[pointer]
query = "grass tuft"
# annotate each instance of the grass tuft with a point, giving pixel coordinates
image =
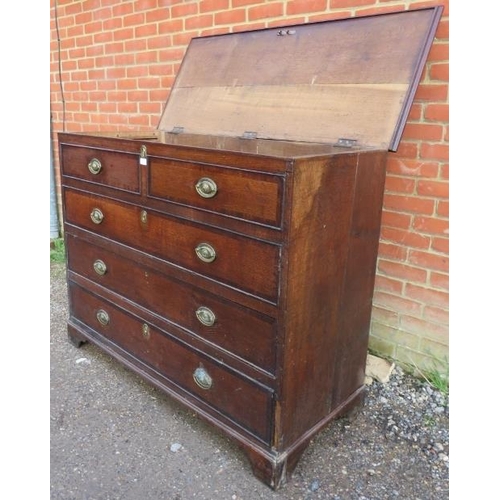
(57, 250)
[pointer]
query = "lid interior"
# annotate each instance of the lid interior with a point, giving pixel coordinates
(322, 82)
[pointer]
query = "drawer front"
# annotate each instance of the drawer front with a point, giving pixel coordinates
(255, 197)
(247, 404)
(110, 168)
(238, 261)
(239, 330)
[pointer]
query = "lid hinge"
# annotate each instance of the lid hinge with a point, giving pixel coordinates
(346, 143)
(249, 135)
(177, 130)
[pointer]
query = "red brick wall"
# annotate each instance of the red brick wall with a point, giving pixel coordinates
(114, 61)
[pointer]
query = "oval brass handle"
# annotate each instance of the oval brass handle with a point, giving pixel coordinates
(145, 331)
(100, 267)
(103, 317)
(95, 166)
(206, 187)
(205, 316)
(205, 252)
(96, 215)
(202, 378)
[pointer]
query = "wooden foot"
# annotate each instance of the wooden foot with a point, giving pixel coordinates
(75, 338)
(274, 471)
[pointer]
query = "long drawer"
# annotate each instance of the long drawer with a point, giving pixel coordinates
(248, 405)
(245, 333)
(253, 196)
(238, 261)
(110, 168)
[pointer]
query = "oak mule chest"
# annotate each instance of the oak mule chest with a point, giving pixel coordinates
(229, 256)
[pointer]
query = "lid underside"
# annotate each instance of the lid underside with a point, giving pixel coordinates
(353, 78)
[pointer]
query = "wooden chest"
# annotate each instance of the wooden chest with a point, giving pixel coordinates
(229, 256)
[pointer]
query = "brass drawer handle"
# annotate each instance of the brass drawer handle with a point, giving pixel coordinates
(144, 216)
(145, 331)
(205, 252)
(97, 216)
(95, 166)
(206, 187)
(205, 316)
(202, 378)
(100, 267)
(103, 317)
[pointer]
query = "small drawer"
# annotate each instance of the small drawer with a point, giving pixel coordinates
(246, 404)
(110, 168)
(256, 197)
(241, 262)
(239, 330)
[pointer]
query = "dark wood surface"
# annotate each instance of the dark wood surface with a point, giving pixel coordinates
(292, 310)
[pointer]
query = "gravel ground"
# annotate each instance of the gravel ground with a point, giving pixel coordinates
(115, 437)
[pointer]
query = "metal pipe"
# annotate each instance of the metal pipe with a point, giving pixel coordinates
(54, 216)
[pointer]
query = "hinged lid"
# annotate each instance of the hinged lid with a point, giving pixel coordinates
(325, 82)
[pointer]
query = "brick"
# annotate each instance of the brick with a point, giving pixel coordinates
(437, 189)
(385, 317)
(440, 51)
(343, 4)
(126, 84)
(123, 34)
(400, 185)
(443, 30)
(147, 57)
(214, 31)
(113, 48)
(391, 251)
(388, 285)
(135, 71)
(443, 208)
(423, 328)
(197, 22)
(405, 238)
(437, 112)
(423, 131)
(387, 332)
(413, 168)
(136, 45)
(126, 59)
(112, 24)
(439, 353)
(169, 27)
(437, 315)
(264, 11)
(115, 73)
(230, 17)
(241, 3)
(382, 346)
(289, 21)
(127, 107)
(133, 20)
(137, 95)
(396, 303)
(432, 92)
(440, 72)
(427, 296)
(148, 83)
(402, 271)
(157, 15)
(431, 225)
(379, 10)
(183, 10)
(408, 204)
(212, 5)
(444, 172)
(295, 7)
(433, 151)
(440, 280)
(428, 260)
(122, 9)
(150, 108)
(395, 219)
(406, 150)
(146, 31)
(441, 245)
